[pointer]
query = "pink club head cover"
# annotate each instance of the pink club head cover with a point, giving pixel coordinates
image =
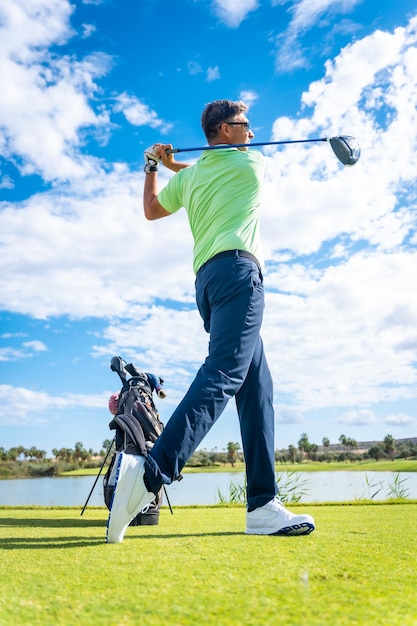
(113, 400)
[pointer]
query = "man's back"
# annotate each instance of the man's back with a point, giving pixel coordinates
(222, 195)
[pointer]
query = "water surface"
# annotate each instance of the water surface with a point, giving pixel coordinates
(203, 488)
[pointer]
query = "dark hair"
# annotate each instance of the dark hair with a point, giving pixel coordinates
(217, 112)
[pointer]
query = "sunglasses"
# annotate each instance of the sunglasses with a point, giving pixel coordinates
(245, 125)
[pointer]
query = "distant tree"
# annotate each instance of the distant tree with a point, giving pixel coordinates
(326, 442)
(403, 450)
(79, 451)
(376, 452)
(303, 444)
(33, 452)
(351, 443)
(106, 445)
(389, 446)
(64, 454)
(40, 455)
(343, 441)
(232, 452)
(14, 453)
(292, 453)
(312, 453)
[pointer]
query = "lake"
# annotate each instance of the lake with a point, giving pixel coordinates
(202, 488)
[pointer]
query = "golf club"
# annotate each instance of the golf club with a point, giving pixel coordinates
(345, 147)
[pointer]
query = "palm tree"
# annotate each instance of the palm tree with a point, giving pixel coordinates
(326, 442)
(389, 445)
(292, 453)
(343, 440)
(351, 443)
(40, 454)
(232, 450)
(106, 445)
(78, 451)
(303, 444)
(33, 452)
(312, 453)
(14, 453)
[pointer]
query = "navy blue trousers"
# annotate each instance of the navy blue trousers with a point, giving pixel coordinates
(230, 299)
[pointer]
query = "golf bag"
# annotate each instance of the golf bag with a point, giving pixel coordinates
(137, 426)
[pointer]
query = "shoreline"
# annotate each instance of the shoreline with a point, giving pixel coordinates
(395, 466)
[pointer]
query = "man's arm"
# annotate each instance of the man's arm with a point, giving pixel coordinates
(152, 208)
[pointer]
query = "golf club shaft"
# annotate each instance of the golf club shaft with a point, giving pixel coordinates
(244, 145)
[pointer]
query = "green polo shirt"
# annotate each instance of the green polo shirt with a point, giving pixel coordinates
(221, 193)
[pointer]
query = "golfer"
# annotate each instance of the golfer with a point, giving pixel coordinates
(221, 193)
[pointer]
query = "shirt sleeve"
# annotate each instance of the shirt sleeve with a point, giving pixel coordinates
(169, 197)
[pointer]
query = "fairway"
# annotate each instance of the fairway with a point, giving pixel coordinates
(398, 465)
(198, 567)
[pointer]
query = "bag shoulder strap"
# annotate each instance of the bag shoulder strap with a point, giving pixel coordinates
(130, 426)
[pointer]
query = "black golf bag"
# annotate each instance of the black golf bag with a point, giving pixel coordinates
(137, 426)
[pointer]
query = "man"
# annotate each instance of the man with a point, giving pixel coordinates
(221, 193)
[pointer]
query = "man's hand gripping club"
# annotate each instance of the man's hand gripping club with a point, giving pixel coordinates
(151, 159)
(158, 154)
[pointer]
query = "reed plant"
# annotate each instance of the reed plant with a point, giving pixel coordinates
(395, 490)
(291, 487)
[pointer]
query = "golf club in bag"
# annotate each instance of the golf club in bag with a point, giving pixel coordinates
(345, 147)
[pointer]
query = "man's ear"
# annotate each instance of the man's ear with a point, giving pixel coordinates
(225, 130)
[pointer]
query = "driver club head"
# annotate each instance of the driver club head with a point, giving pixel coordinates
(346, 148)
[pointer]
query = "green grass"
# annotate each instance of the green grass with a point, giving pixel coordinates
(398, 465)
(197, 567)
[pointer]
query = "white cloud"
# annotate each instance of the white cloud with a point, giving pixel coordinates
(6, 182)
(138, 113)
(305, 15)
(25, 406)
(213, 73)
(88, 30)
(400, 420)
(288, 415)
(194, 68)
(233, 12)
(27, 27)
(374, 201)
(46, 137)
(36, 346)
(362, 417)
(28, 349)
(72, 251)
(306, 12)
(333, 335)
(248, 96)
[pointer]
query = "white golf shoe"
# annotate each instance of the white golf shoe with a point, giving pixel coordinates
(130, 495)
(274, 519)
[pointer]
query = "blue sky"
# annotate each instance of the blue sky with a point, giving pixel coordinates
(85, 87)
